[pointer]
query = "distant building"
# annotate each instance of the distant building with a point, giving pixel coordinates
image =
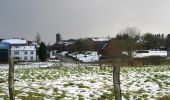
(24, 53)
(97, 43)
(63, 45)
(58, 38)
(22, 50)
(53, 54)
(4, 52)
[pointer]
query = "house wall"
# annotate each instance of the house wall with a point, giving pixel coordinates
(53, 54)
(4, 55)
(168, 53)
(4, 52)
(23, 56)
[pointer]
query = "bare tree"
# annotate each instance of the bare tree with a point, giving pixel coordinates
(132, 32)
(38, 38)
(129, 38)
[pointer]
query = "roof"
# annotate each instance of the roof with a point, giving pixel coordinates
(65, 42)
(15, 41)
(24, 48)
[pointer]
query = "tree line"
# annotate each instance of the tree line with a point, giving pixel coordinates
(130, 39)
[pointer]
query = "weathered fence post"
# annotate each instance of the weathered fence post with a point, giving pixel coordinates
(116, 79)
(11, 79)
(100, 64)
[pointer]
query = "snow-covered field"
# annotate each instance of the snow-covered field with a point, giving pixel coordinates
(69, 83)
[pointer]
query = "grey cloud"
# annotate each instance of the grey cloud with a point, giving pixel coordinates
(81, 18)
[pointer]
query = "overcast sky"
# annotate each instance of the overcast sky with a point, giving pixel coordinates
(81, 18)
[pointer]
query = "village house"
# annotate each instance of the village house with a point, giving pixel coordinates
(97, 43)
(24, 53)
(60, 45)
(22, 50)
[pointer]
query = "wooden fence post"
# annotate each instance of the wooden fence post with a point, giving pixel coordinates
(116, 79)
(11, 79)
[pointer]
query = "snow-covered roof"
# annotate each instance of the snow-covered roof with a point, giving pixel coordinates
(100, 39)
(15, 41)
(24, 48)
(66, 43)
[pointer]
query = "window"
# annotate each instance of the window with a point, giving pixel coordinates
(25, 58)
(32, 52)
(31, 58)
(16, 58)
(16, 52)
(25, 52)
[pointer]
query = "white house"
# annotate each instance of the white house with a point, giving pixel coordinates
(22, 50)
(24, 53)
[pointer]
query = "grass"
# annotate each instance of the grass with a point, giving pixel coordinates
(84, 79)
(82, 86)
(126, 96)
(166, 97)
(108, 96)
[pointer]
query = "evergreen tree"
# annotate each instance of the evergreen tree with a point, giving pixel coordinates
(150, 41)
(167, 42)
(42, 52)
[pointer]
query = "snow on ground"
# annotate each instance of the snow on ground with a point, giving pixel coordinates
(29, 65)
(145, 83)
